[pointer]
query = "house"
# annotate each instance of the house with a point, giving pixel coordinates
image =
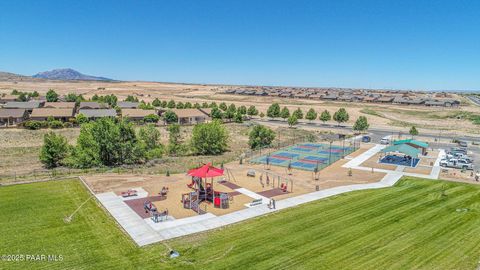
(434, 103)
(12, 117)
(7, 98)
(89, 105)
(385, 99)
(136, 114)
(59, 105)
(330, 97)
(301, 95)
(98, 113)
(61, 114)
(191, 116)
(127, 105)
(207, 111)
(451, 103)
(28, 105)
(346, 98)
(369, 99)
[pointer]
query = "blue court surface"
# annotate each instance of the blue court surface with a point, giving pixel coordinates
(302, 165)
(400, 161)
(305, 156)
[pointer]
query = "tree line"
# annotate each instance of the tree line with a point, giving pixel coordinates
(114, 142)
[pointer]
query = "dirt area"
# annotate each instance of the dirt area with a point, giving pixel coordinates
(419, 169)
(458, 176)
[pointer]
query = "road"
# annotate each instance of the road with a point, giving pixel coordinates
(376, 132)
(474, 99)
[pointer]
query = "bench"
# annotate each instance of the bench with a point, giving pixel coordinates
(256, 202)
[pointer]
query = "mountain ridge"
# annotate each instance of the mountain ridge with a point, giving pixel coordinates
(68, 74)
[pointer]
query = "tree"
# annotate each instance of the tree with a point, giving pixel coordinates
(311, 115)
(285, 113)
(174, 139)
(150, 136)
(188, 105)
(298, 113)
(260, 136)
(238, 117)
(156, 102)
(197, 105)
(170, 117)
(151, 118)
(209, 138)
(361, 124)
(292, 120)
(273, 111)
(22, 97)
(107, 142)
(171, 104)
(262, 115)
(180, 105)
(413, 131)
(231, 111)
(164, 104)
(133, 99)
(216, 113)
(341, 116)
(54, 150)
(145, 106)
(242, 110)
(223, 106)
(212, 105)
(325, 116)
(52, 96)
(34, 94)
(252, 110)
(81, 118)
(205, 105)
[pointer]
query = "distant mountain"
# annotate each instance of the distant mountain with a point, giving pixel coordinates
(68, 74)
(7, 76)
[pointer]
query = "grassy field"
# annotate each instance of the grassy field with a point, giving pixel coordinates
(418, 224)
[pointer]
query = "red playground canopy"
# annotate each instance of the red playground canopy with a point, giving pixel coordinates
(205, 171)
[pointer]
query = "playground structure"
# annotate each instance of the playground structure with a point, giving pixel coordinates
(305, 156)
(203, 189)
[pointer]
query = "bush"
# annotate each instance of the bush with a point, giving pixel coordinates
(54, 124)
(32, 124)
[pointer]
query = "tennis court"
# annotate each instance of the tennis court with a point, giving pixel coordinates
(305, 156)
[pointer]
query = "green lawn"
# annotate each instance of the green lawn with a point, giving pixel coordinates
(418, 224)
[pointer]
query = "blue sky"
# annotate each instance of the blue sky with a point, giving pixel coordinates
(371, 44)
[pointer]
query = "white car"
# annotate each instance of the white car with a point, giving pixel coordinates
(385, 141)
(456, 163)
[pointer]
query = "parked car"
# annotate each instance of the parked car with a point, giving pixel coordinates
(366, 139)
(462, 143)
(458, 149)
(456, 163)
(385, 140)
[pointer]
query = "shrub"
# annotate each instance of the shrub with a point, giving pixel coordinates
(32, 124)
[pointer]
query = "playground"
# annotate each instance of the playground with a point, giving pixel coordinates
(219, 191)
(306, 156)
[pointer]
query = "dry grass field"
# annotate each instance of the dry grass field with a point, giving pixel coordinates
(396, 117)
(20, 149)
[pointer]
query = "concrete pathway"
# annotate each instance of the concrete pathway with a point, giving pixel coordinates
(132, 223)
(252, 195)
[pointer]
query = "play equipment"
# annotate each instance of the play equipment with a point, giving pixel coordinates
(159, 216)
(149, 207)
(203, 189)
(163, 192)
(221, 200)
(129, 193)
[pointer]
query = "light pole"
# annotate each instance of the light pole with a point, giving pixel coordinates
(330, 154)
